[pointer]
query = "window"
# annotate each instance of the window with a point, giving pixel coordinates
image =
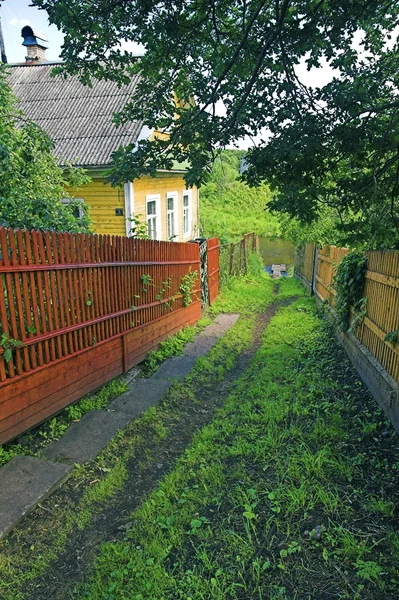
(153, 217)
(186, 213)
(171, 214)
(77, 212)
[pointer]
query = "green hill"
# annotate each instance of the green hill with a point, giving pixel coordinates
(229, 208)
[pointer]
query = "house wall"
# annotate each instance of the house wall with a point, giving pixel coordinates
(162, 184)
(103, 200)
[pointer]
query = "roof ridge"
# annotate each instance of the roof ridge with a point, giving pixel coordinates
(42, 63)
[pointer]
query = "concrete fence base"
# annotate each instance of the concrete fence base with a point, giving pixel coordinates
(381, 385)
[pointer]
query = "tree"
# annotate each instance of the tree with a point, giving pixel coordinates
(232, 64)
(31, 181)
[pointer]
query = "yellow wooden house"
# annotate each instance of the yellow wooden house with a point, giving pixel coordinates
(79, 119)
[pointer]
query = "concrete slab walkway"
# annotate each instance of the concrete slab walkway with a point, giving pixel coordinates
(25, 481)
(84, 440)
(144, 394)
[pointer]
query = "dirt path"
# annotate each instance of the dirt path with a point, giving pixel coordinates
(145, 470)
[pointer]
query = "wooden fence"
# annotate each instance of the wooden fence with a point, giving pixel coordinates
(78, 310)
(304, 263)
(213, 268)
(381, 291)
(234, 256)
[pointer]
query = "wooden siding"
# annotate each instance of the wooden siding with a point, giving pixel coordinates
(77, 312)
(103, 199)
(162, 184)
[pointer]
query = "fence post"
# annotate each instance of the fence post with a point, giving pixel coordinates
(315, 265)
(244, 257)
(231, 258)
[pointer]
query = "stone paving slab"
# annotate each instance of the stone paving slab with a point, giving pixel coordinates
(177, 367)
(200, 346)
(220, 325)
(24, 482)
(84, 440)
(144, 394)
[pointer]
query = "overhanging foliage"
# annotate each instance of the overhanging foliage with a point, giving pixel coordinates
(31, 181)
(334, 146)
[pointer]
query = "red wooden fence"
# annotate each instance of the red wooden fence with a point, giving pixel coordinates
(78, 310)
(213, 268)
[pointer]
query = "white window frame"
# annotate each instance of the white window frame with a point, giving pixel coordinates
(158, 221)
(188, 193)
(174, 196)
(129, 206)
(66, 201)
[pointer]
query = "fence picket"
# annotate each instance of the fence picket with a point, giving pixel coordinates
(381, 290)
(62, 294)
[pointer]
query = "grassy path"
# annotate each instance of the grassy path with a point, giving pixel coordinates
(289, 493)
(267, 475)
(52, 548)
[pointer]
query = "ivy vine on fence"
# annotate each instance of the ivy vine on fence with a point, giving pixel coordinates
(349, 283)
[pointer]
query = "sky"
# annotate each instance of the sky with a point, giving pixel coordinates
(15, 14)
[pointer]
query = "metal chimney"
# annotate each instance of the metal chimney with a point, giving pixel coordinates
(36, 44)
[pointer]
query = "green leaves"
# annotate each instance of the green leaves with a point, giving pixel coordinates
(31, 181)
(349, 284)
(8, 344)
(229, 69)
(187, 286)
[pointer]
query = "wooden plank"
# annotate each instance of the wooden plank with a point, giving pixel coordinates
(51, 277)
(33, 420)
(73, 392)
(326, 286)
(384, 279)
(70, 369)
(16, 362)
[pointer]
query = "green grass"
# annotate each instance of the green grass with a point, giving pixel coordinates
(276, 498)
(289, 493)
(248, 295)
(28, 552)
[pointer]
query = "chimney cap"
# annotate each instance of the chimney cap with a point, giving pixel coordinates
(33, 38)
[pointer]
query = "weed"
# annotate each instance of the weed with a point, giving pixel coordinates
(170, 347)
(187, 285)
(287, 493)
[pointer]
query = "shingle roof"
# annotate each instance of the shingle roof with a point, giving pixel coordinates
(77, 118)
